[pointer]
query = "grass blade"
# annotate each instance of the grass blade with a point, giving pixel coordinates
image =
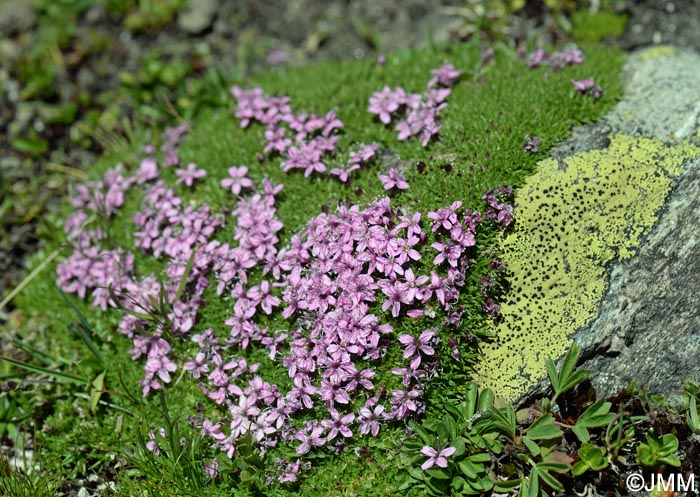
(82, 328)
(66, 377)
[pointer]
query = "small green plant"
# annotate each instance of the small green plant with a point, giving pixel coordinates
(618, 434)
(597, 415)
(692, 417)
(17, 484)
(566, 378)
(590, 457)
(657, 451)
(456, 448)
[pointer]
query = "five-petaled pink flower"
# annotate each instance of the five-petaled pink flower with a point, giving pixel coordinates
(190, 175)
(237, 180)
(394, 179)
(436, 457)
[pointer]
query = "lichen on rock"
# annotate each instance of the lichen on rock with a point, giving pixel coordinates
(574, 217)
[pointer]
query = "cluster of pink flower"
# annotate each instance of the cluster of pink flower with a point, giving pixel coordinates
(332, 276)
(498, 209)
(421, 111)
(570, 56)
(342, 284)
(314, 143)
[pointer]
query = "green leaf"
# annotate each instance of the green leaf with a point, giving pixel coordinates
(503, 419)
(185, 275)
(458, 444)
(416, 473)
(671, 460)
(532, 446)
(486, 399)
(544, 429)
(581, 433)
(577, 378)
(506, 485)
(550, 480)
(669, 444)
(471, 396)
(480, 457)
(97, 391)
(427, 438)
(592, 457)
(458, 484)
(65, 377)
(579, 468)
(82, 329)
(691, 416)
(552, 373)
(566, 379)
(32, 144)
(553, 466)
(438, 473)
(468, 468)
(597, 415)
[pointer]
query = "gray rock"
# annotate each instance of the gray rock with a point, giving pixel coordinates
(648, 326)
(16, 16)
(197, 16)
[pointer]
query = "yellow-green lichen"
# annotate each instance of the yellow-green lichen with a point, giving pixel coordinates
(658, 52)
(573, 218)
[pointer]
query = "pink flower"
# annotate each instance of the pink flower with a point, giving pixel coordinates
(531, 144)
(445, 75)
(384, 102)
(582, 85)
(436, 457)
(237, 180)
(337, 425)
(190, 175)
(394, 179)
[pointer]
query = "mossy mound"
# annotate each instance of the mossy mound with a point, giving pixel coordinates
(495, 105)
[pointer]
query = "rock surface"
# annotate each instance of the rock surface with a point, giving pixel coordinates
(16, 16)
(197, 16)
(647, 329)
